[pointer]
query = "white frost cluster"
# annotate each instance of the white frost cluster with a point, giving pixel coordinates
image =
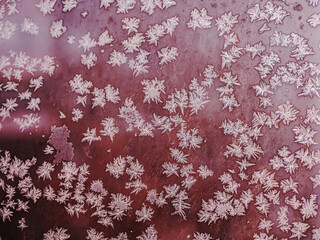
(57, 28)
(199, 19)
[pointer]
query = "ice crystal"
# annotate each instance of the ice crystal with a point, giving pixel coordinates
(79, 85)
(117, 168)
(86, 42)
(7, 29)
(29, 27)
(314, 20)
(175, 138)
(90, 136)
(106, 3)
(226, 22)
(57, 28)
(313, 2)
(201, 236)
(44, 171)
(119, 205)
(133, 43)
(68, 5)
(131, 24)
(167, 55)
(123, 6)
(309, 207)
(89, 60)
(180, 205)
(46, 6)
(109, 128)
(152, 90)
(298, 230)
(56, 234)
(199, 19)
(105, 38)
(117, 58)
(145, 214)
(287, 112)
(149, 234)
(189, 138)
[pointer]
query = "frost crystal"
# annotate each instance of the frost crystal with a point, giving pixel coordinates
(109, 128)
(117, 168)
(133, 43)
(45, 170)
(287, 112)
(86, 42)
(117, 58)
(145, 214)
(314, 20)
(56, 234)
(58, 139)
(167, 55)
(125, 5)
(57, 28)
(152, 90)
(29, 27)
(201, 236)
(226, 22)
(89, 60)
(149, 234)
(119, 205)
(46, 6)
(7, 29)
(131, 24)
(90, 136)
(216, 130)
(199, 19)
(68, 5)
(105, 38)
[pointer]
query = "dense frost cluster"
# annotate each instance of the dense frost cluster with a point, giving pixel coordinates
(159, 119)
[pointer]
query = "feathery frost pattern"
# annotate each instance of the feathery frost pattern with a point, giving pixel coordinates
(159, 119)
